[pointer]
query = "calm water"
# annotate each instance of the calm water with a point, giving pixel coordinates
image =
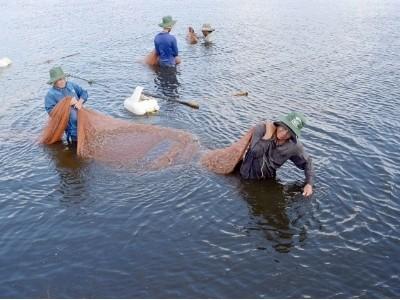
(72, 228)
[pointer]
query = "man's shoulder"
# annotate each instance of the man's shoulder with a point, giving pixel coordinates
(160, 35)
(51, 92)
(72, 85)
(297, 146)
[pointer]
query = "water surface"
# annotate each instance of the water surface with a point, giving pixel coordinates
(73, 228)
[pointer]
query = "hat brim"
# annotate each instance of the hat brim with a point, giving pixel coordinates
(292, 132)
(208, 29)
(167, 25)
(52, 81)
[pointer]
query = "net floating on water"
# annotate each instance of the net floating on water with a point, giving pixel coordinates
(225, 160)
(122, 143)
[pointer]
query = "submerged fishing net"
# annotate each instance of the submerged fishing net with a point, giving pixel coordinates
(120, 142)
(224, 161)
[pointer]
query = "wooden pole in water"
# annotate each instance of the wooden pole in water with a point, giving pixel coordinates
(191, 104)
(51, 60)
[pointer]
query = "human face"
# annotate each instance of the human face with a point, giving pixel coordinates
(283, 133)
(60, 83)
(205, 33)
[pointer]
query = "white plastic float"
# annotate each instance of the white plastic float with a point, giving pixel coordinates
(5, 62)
(140, 104)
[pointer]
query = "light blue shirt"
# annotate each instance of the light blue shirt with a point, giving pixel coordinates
(55, 95)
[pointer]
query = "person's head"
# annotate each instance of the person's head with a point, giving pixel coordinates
(57, 77)
(191, 30)
(167, 23)
(207, 29)
(289, 126)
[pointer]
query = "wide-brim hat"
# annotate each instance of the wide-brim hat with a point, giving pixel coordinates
(56, 73)
(295, 121)
(207, 27)
(167, 22)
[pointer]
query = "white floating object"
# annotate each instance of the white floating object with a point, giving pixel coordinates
(5, 62)
(140, 104)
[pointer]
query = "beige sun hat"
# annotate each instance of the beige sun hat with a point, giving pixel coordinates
(207, 27)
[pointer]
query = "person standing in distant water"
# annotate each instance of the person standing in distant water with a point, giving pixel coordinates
(208, 36)
(165, 44)
(60, 89)
(192, 36)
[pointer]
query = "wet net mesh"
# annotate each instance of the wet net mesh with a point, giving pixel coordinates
(224, 161)
(121, 142)
(151, 59)
(57, 123)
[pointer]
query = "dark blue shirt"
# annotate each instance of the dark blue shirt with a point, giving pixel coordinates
(166, 48)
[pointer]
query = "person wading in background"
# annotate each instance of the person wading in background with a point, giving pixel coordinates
(166, 47)
(208, 36)
(60, 89)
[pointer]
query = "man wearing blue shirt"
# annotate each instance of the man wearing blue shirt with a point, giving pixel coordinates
(166, 45)
(60, 89)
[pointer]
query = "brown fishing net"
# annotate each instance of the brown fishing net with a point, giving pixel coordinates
(224, 161)
(151, 59)
(120, 142)
(57, 123)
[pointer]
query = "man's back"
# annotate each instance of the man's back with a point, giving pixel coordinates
(166, 48)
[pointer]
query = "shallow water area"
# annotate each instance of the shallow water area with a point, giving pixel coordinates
(74, 228)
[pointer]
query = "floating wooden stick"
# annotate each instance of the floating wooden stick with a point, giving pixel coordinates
(191, 104)
(51, 60)
(241, 93)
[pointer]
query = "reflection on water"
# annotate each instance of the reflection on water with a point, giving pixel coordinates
(166, 81)
(71, 171)
(275, 212)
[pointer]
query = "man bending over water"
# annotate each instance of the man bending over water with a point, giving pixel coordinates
(272, 144)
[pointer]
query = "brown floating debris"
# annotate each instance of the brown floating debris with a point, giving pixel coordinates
(241, 93)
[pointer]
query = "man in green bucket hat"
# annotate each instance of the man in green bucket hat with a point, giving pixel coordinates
(272, 144)
(166, 46)
(60, 89)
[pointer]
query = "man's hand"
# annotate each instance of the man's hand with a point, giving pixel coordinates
(73, 101)
(79, 104)
(307, 190)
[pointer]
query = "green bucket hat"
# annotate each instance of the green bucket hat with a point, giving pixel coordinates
(294, 120)
(167, 22)
(56, 73)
